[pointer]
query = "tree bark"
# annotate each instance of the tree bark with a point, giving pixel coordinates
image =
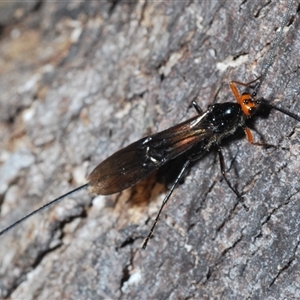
(81, 80)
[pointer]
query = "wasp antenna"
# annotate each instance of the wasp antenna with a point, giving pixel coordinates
(275, 46)
(283, 110)
(42, 208)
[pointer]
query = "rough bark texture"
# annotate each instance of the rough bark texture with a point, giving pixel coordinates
(80, 80)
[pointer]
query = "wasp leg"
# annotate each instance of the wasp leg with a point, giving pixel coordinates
(197, 107)
(223, 171)
(246, 84)
(236, 93)
(165, 202)
(249, 137)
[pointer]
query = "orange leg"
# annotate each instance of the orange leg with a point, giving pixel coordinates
(243, 83)
(249, 137)
(234, 89)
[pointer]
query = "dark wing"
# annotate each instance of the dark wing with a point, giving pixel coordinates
(135, 162)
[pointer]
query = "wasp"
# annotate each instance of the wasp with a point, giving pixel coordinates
(195, 137)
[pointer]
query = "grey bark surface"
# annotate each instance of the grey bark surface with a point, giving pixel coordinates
(80, 80)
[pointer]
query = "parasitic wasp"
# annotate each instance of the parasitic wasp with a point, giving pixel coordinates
(196, 136)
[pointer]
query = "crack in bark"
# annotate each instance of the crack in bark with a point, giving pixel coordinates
(40, 256)
(221, 258)
(229, 217)
(256, 15)
(286, 265)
